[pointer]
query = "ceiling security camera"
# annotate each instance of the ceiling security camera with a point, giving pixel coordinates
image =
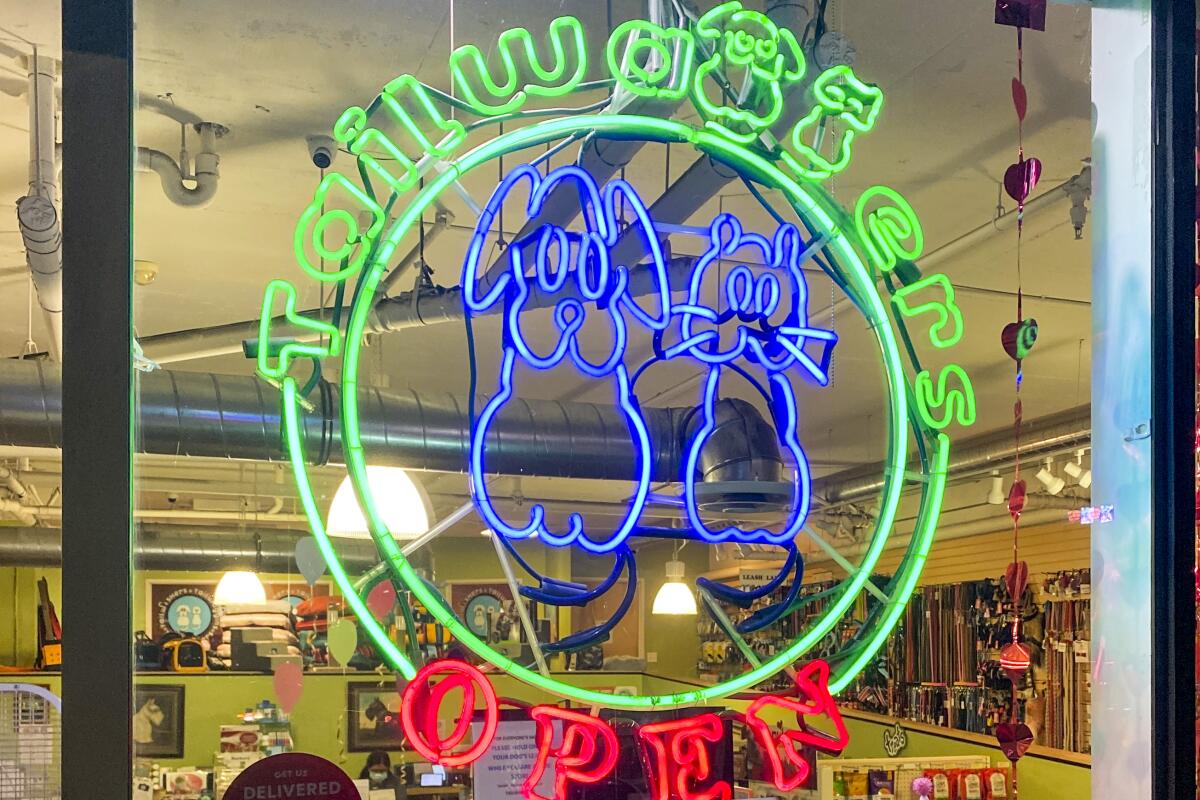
(321, 149)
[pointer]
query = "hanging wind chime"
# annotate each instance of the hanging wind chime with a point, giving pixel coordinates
(1017, 338)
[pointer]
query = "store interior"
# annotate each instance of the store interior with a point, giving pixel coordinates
(222, 540)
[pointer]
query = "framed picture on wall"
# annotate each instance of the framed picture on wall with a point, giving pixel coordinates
(158, 720)
(372, 718)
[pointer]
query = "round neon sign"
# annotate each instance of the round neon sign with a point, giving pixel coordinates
(768, 308)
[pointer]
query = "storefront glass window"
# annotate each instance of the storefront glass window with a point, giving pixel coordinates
(715, 373)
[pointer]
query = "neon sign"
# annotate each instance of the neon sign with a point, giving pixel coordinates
(421, 704)
(789, 767)
(587, 753)
(757, 330)
(677, 760)
(580, 749)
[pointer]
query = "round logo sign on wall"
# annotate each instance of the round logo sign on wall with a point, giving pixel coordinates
(186, 612)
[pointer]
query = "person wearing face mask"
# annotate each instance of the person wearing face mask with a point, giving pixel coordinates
(378, 771)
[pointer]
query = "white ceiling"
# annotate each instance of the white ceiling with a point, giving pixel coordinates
(275, 72)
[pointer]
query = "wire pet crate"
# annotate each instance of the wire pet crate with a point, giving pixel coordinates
(30, 743)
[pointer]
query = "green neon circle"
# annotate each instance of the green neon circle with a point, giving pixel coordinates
(747, 163)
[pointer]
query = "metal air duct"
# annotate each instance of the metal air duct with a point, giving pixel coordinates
(232, 416)
(198, 549)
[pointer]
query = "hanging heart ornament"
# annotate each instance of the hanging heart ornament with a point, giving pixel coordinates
(1018, 338)
(1014, 660)
(1014, 738)
(1016, 499)
(1021, 177)
(1020, 100)
(1015, 578)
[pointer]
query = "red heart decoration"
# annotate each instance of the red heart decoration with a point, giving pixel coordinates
(1021, 177)
(1016, 499)
(1014, 660)
(1020, 101)
(1015, 578)
(1014, 739)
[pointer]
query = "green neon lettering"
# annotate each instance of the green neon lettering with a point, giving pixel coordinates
(552, 80)
(959, 403)
(639, 42)
(312, 230)
(841, 96)
(891, 232)
(948, 329)
(403, 92)
(290, 350)
(770, 56)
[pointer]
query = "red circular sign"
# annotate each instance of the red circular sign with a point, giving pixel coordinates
(292, 776)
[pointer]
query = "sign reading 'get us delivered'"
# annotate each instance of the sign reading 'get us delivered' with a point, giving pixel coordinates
(291, 776)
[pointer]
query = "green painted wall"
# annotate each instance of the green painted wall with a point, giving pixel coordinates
(18, 611)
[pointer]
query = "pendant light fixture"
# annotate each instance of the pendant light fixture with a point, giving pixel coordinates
(400, 502)
(674, 597)
(242, 586)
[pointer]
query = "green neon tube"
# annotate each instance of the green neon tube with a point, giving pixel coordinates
(295, 444)
(914, 564)
(654, 130)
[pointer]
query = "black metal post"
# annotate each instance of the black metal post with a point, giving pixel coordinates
(1173, 82)
(97, 678)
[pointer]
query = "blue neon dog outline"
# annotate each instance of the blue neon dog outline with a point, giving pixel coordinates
(586, 256)
(600, 284)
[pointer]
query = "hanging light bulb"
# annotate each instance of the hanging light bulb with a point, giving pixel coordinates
(399, 501)
(1075, 469)
(1046, 477)
(239, 587)
(674, 596)
(242, 586)
(995, 495)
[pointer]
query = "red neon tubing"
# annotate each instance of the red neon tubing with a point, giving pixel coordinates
(420, 704)
(682, 743)
(582, 734)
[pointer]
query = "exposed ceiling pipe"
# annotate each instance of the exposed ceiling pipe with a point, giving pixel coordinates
(12, 483)
(194, 549)
(37, 212)
(184, 515)
(236, 416)
(21, 512)
(1070, 428)
(204, 172)
(389, 314)
(1070, 190)
(442, 220)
